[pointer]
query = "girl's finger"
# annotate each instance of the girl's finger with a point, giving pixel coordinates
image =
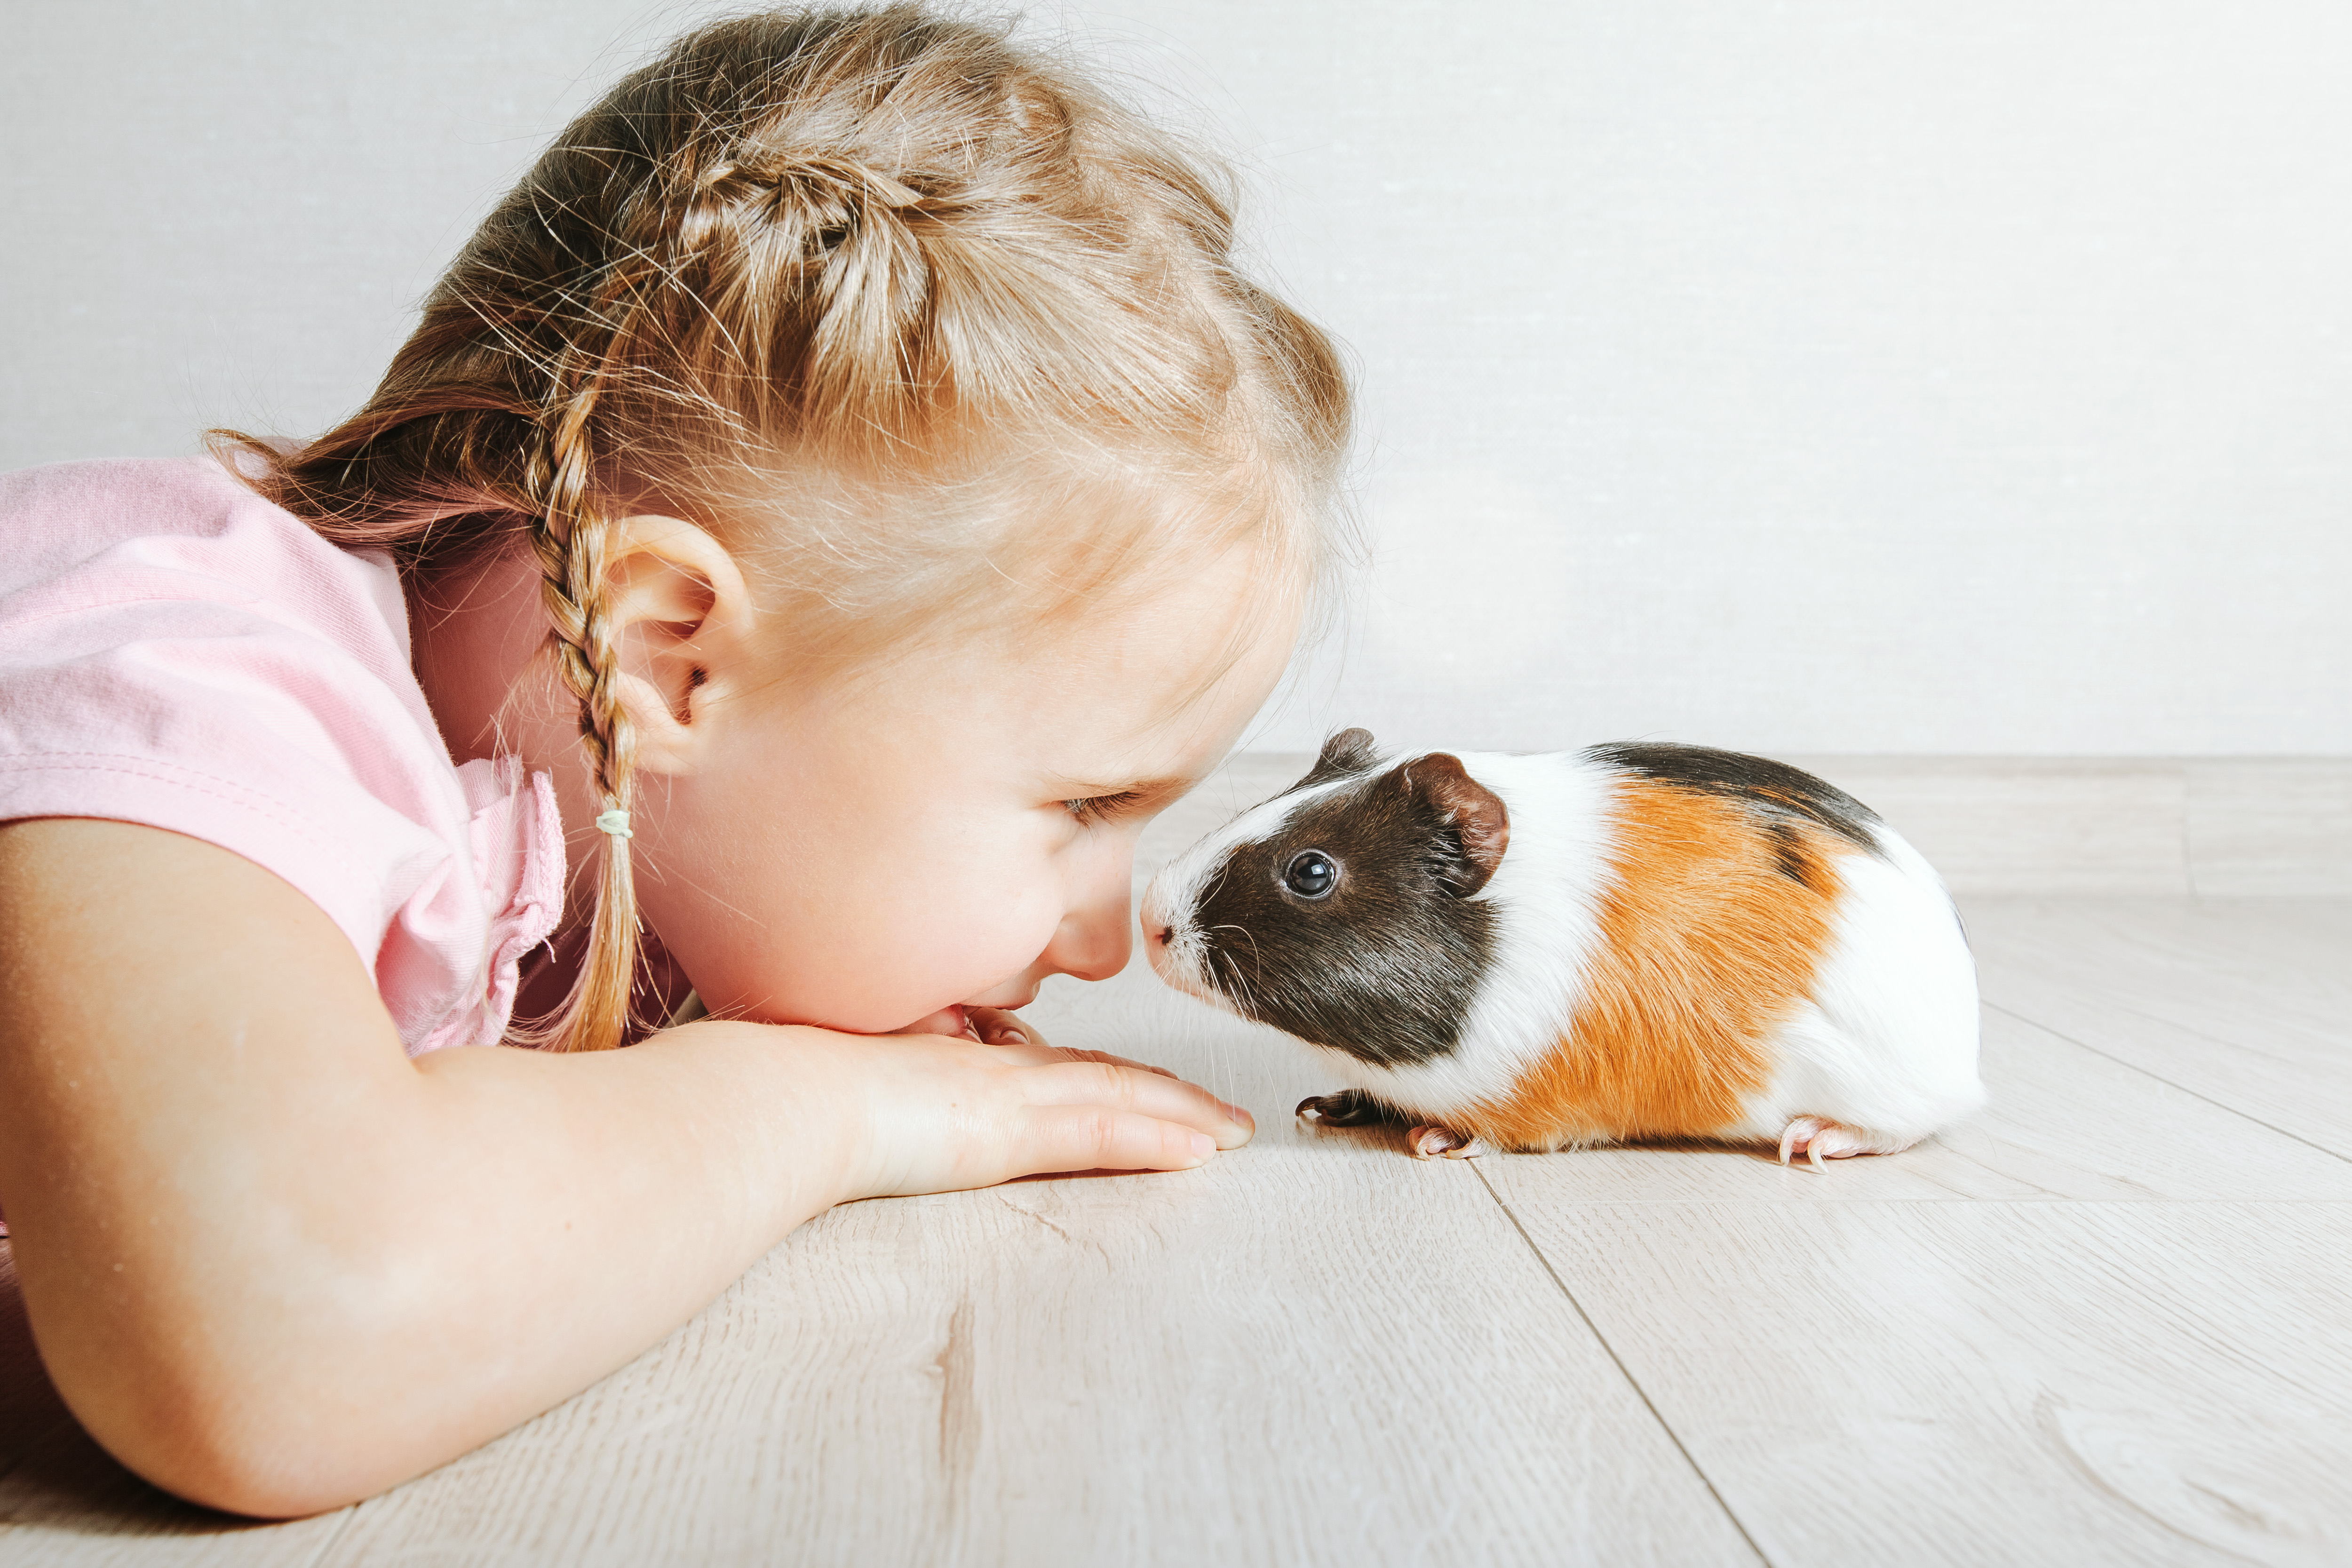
(1046, 1056)
(1099, 1138)
(1001, 1026)
(1154, 1095)
(1109, 1061)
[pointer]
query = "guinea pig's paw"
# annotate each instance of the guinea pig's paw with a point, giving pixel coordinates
(1349, 1108)
(1430, 1143)
(1817, 1138)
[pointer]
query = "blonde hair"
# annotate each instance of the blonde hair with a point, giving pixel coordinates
(845, 255)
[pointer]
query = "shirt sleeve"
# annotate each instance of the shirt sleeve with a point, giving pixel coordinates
(177, 653)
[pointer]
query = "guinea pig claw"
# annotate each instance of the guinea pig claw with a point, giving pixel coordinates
(1349, 1108)
(1429, 1143)
(1805, 1136)
(1819, 1139)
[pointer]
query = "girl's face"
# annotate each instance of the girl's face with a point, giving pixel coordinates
(954, 828)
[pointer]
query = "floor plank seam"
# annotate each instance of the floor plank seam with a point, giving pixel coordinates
(1623, 1371)
(2146, 1072)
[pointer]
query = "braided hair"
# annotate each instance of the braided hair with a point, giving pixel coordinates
(876, 243)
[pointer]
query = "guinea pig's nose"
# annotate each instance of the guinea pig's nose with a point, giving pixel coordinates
(1159, 935)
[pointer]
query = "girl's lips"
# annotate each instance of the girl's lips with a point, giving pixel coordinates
(957, 1020)
(946, 1021)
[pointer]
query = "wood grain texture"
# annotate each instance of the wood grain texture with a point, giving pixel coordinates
(1304, 1353)
(2109, 1374)
(1990, 1383)
(2063, 1122)
(2247, 1003)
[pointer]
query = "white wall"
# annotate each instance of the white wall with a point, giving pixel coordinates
(1814, 377)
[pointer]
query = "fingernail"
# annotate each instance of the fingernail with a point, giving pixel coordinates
(1203, 1146)
(1241, 1117)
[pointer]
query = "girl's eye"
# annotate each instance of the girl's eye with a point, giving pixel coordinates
(1311, 874)
(1101, 808)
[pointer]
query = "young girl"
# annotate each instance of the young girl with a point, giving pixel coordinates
(831, 504)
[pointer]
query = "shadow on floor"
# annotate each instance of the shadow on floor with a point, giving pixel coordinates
(1390, 1137)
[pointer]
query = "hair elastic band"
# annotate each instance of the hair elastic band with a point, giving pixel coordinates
(616, 823)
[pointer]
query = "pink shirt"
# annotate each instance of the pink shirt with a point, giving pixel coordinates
(177, 652)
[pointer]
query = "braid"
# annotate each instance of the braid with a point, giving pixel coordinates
(570, 533)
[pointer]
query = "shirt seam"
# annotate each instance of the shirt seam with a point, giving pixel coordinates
(181, 776)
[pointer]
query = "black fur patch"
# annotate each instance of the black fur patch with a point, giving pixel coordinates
(1384, 966)
(1346, 752)
(1774, 789)
(1789, 854)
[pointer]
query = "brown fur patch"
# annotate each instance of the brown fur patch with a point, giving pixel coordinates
(1710, 933)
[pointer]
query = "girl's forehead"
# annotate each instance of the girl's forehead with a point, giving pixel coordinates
(1154, 690)
(1170, 691)
(1183, 633)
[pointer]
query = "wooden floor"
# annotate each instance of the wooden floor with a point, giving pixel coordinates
(2109, 1320)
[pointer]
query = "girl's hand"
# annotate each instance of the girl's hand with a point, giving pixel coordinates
(945, 1113)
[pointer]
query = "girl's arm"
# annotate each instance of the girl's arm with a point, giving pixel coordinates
(274, 1265)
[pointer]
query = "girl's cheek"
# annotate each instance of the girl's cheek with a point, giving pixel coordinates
(866, 938)
(885, 953)
(970, 937)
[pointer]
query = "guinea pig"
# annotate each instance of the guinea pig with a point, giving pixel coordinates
(1555, 951)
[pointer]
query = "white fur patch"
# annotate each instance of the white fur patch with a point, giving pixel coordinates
(1888, 1041)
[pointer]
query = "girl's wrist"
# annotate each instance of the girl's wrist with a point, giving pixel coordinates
(800, 1154)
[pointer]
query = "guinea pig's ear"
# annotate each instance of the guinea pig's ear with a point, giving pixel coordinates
(1349, 752)
(1471, 811)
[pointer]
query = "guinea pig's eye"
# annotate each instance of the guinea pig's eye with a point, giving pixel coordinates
(1311, 874)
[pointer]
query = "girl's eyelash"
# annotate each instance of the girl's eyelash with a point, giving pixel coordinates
(1101, 807)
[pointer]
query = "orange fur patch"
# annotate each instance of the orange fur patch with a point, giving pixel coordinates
(1707, 946)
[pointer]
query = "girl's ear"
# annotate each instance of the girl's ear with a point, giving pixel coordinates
(682, 623)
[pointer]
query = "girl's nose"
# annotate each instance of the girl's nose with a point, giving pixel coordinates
(1092, 944)
(1095, 937)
